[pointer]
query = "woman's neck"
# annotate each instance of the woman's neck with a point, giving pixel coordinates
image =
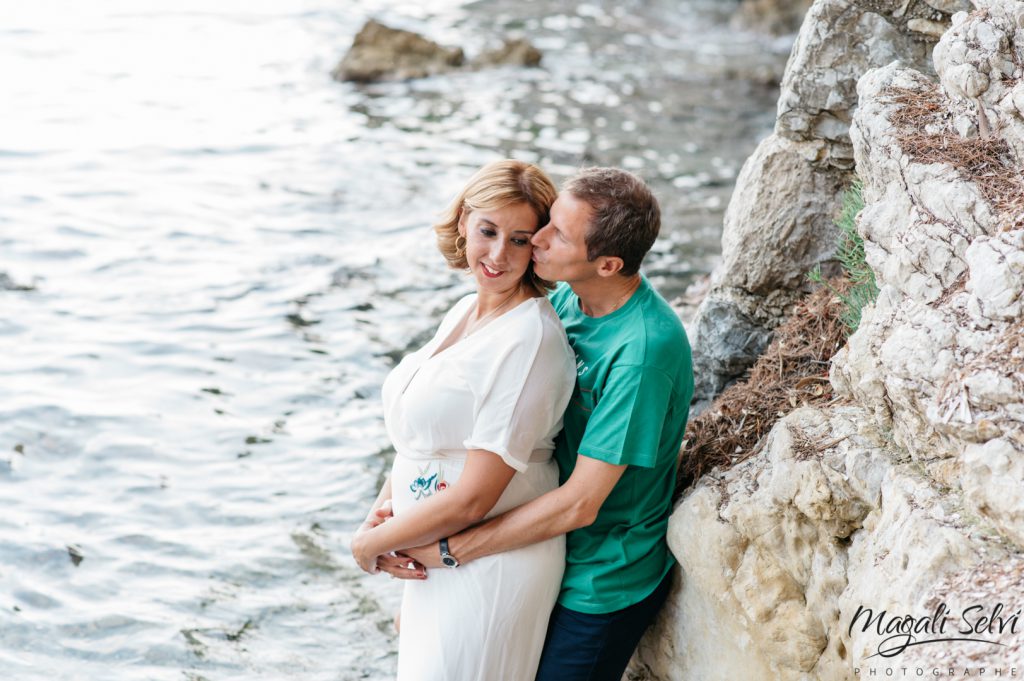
(489, 302)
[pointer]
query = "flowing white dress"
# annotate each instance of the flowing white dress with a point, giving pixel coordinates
(502, 389)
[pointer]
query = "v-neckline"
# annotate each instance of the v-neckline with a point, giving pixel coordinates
(438, 353)
(441, 347)
(462, 322)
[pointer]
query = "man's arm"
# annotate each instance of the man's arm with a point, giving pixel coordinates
(573, 505)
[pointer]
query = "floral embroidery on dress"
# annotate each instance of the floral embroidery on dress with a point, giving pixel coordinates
(424, 486)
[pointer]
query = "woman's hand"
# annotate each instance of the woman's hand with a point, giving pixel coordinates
(362, 548)
(401, 567)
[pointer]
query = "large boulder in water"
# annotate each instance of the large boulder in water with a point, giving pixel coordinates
(380, 52)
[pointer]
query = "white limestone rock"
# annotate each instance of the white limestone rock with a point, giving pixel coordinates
(996, 282)
(777, 553)
(838, 43)
(994, 484)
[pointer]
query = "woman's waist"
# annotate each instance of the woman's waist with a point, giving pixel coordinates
(459, 455)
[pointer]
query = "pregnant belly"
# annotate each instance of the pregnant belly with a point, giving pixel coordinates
(414, 480)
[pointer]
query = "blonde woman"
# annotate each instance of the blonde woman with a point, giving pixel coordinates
(473, 415)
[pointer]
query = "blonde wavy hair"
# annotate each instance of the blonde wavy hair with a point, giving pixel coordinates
(496, 185)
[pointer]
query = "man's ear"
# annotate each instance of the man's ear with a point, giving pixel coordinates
(608, 265)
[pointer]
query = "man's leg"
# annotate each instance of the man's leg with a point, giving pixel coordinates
(583, 647)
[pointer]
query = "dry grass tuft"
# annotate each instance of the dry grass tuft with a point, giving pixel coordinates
(792, 372)
(925, 133)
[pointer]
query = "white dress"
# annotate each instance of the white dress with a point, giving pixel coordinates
(502, 389)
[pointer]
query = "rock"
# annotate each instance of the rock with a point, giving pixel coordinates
(910, 491)
(979, 63)
(938, 359)
(732, 328)
(996, 282)
(786, 207)
(965, 126)
(932, 29)
(950, 6)
(383, 53)
(965, 80)
(923, 21)
(779, 222)
(838, 43)
(516, 52)
(777, 553)
(994, 484)
(777, 17)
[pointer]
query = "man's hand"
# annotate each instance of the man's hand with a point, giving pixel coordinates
(428, 556)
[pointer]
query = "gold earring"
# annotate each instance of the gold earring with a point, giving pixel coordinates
(460, 250)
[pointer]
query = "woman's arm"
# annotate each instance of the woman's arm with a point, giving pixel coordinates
(373, 518)
(484, 477)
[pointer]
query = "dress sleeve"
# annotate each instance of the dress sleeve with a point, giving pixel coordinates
(520, 394)
(627, 422)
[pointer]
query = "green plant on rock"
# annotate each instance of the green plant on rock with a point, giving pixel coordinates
(862, 288)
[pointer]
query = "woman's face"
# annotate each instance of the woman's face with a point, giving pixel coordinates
(498, 245)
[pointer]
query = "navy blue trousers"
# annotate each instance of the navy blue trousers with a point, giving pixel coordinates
(583, 647)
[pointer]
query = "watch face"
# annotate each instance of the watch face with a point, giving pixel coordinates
(449, 561)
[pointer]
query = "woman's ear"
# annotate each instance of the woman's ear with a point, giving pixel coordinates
(463, 215)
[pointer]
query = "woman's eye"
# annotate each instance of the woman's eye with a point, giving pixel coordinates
(520, 242)
(487, 232)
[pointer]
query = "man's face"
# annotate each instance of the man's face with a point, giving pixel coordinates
(559, 248)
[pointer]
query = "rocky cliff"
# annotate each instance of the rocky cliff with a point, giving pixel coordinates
(906, 493)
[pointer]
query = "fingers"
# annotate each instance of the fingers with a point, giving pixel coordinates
(385, 511)
(401, 567)
(379, 515)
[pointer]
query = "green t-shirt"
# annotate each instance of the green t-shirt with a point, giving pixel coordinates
(629, 406)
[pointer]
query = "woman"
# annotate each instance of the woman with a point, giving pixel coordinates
(473, 415)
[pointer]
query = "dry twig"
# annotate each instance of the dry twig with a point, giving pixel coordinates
(792, 372)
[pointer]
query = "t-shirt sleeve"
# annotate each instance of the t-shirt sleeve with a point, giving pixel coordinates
(626, 423)
(520, 399)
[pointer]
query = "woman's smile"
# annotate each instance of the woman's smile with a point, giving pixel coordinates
(491, 272)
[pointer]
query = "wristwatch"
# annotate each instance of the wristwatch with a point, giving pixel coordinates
(448, 559)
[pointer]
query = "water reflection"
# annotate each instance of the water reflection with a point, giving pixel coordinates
(210, 256)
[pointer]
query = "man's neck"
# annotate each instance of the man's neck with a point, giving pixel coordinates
(601, 296)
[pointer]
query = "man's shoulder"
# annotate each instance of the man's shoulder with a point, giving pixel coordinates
(659, 339)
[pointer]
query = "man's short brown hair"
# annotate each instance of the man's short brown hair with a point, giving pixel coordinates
(625, 218)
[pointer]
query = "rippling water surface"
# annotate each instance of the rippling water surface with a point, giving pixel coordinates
(210, 256)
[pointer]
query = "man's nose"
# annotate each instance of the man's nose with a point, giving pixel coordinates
(539, 237)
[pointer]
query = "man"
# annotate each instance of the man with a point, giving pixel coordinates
(623, 429)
